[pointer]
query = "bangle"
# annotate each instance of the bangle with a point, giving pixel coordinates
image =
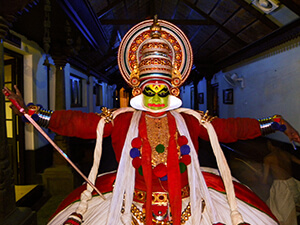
(271, 124)
(44, 117)
(40, 115)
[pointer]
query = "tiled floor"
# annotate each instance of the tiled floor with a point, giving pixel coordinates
(46, 211)
(44, 207)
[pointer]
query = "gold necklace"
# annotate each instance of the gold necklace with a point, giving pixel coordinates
(158, 134)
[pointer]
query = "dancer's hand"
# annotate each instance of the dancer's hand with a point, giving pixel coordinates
(17, 96)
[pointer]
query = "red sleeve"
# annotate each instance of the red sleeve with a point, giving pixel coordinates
(77, 124)
(228, 130)
(233, 129)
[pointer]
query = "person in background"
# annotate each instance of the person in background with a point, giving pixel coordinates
(159, 179)
(285, 190)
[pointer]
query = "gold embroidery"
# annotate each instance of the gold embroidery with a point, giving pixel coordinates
(159, 198)
(139, 215)
(106, 114)
(158, 133)
(206, 117)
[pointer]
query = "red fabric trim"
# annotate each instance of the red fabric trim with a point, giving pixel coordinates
(71, 221)
(147, 168)
(243, 193)
(174, 184)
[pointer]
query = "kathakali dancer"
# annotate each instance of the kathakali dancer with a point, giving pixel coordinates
(159, 179)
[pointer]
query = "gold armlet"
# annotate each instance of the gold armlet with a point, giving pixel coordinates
(205, 117)
(106, 114)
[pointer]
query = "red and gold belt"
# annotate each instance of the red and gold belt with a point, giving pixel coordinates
(158, 197)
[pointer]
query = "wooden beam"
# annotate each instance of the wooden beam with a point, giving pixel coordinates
(83, 16)
(274, 39)
(259, 16)
(292, 6)
(136, 21)
(219, 26)
(107, 9)
(110, 53)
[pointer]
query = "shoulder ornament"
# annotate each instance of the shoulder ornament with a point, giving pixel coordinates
(106, 114)
(205, 117)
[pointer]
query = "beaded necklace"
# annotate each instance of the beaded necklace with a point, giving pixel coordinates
(160, 151)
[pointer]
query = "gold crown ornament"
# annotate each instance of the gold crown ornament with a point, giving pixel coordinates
(155, 51)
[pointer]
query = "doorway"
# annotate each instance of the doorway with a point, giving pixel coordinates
(214, 107)
(13, 74)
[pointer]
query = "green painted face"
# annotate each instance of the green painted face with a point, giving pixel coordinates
(156, 97)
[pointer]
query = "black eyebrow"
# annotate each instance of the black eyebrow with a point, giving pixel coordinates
(164, 89)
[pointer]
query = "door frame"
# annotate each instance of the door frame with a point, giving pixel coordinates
(17, 155)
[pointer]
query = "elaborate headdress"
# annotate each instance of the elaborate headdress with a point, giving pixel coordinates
(155, 51)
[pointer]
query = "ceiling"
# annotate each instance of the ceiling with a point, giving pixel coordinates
(221, 32)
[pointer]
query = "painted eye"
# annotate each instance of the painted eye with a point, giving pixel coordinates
(164, 92)
(148, 92)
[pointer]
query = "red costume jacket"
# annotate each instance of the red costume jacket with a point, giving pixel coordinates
(84, 125)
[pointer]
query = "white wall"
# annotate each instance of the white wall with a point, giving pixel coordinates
(202, 89)
(35, 80)
(107, 93)
(35, 87)
(85, 87)
(185, 95)
(272, 86)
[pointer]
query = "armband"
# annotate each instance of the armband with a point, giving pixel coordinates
(40, 115)
(271, 124)
(106, 114)
(205, 117)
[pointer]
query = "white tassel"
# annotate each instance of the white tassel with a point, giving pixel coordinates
(225, 172)
(196, 180)
(224, 169)
(236, 217)
(125, 180)
(87, 194)
(84, 198)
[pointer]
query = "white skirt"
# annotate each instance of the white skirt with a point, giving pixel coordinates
(98, 210)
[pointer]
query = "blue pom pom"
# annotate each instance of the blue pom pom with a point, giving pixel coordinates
(164, 178)
(35, 117)
(185, 150)
(24, 119)
(282, 128)
(39, 105)
(29, 104)
(134, 152)
(275, 125)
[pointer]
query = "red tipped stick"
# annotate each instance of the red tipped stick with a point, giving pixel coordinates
(64, 155)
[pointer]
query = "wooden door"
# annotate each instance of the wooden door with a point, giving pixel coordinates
(13, 74)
